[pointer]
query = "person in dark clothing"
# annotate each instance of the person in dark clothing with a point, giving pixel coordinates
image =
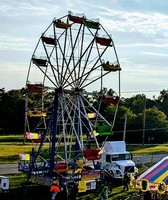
(73, 166)
(126, 181)
(97, 166)
(64, 190)
(74, 192)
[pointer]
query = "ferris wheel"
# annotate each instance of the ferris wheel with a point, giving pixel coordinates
(72, 55)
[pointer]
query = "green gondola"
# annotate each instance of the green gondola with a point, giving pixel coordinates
(92, 24)
(104, 130)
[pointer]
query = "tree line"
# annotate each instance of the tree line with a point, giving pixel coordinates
(137, 119)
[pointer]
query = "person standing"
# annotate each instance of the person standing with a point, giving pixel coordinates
(64, 190)
(104, 193)
(54, 189)
(56, 181)
(75, 191)
(73, 166)
(97, 166)
(126, 181)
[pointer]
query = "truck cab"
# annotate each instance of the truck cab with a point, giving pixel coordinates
(116, 160)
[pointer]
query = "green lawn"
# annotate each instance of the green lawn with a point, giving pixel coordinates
(147, 149)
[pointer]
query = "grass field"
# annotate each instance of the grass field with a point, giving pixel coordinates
(147, 149)
(12, 145)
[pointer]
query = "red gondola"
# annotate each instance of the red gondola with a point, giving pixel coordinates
(104, 41)
(91, 154)
(49, 40)
(110, 99)
(35, 87)
(39, 62)
(61, 167)
(76, 19)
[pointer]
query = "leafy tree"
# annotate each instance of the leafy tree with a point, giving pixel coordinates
(162, 102)
(136, 103)
(156, 126)
(12, 111)
(130, 111)
(117, 116)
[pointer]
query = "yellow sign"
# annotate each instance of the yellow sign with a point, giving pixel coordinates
(82, 186)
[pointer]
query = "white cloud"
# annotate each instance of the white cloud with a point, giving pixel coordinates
(148, 23)
(156, 54)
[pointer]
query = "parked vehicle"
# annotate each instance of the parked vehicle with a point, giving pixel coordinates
(116, 160)
(4, 184)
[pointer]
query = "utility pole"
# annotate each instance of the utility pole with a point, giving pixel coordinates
(144, 121)
(125, 127)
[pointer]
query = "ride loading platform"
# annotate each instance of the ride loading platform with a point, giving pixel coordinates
(86, 175)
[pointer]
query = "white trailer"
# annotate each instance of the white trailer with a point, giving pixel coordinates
(4, 184)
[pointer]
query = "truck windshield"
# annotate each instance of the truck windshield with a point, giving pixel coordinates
(121, 157)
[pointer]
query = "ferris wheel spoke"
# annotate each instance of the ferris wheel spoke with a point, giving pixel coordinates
(72, 121)
(72, 54)
(64, 129)
(57, 62)
(80, 55)
(94, 67)
(46, 76)
(64, 72)
(64, 59)
(80, 59)
(94, 79)
(78, 105)
(81, 74)
(49, 60)
(71, 60)
(55, 71)
(97, 113)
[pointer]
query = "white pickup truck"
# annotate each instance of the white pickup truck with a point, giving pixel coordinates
(116, 160)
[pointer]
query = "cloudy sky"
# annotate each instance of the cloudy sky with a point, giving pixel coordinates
(139, 29)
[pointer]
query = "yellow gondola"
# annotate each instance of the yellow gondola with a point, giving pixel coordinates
(111, 67)
(36, 113)
(61, 24)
